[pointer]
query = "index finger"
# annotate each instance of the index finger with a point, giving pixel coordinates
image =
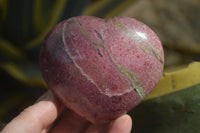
(36, 118)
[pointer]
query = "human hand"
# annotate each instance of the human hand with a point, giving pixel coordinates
(40, 117)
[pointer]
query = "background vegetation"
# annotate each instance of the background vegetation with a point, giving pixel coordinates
(174, 105)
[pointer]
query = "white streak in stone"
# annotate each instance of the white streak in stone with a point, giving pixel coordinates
(79, 68)
(142, 35)
(138, 87)
(107, 93)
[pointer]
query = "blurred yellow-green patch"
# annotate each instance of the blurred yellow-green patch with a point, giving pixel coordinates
(173, 106)
(177, 80)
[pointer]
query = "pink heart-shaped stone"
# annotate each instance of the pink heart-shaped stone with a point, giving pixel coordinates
(99, 68)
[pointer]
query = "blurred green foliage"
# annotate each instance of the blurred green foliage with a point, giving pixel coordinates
(173, 113)
(25, 23)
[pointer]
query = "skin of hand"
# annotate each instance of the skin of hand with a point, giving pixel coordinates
(40, 117)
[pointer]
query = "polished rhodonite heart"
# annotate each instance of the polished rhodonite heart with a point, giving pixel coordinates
(99, 68)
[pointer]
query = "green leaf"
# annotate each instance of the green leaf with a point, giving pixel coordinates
(73, 8)
(11, 50)
(107, 8)
(177, 112)
(95, 7)
(54, 16)
(38, 15)
(28, 74)
(3, 8)
(119, 8)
